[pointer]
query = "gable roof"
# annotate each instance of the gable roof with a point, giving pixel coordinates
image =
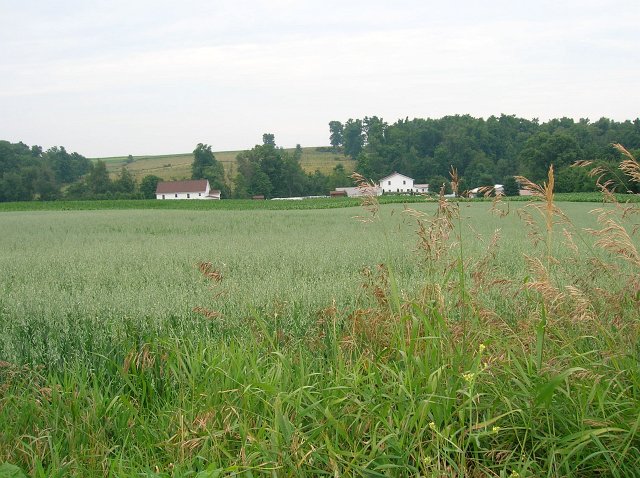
(395, 174)
(191, 186)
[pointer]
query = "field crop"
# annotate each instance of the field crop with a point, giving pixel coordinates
(451, 339)
(273, 205)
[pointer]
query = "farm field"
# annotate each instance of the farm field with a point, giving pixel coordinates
(246, 204)
(421, 343)
(178, 166)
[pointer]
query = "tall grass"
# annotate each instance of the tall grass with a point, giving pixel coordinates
(482, 353)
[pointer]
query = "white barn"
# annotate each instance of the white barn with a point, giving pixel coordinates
(191, 189)
(399, 183)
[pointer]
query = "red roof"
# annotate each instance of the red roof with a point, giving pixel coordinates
(191, 186)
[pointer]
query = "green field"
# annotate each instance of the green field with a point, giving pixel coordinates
(178, 166)
(277, 205)
(461, 356)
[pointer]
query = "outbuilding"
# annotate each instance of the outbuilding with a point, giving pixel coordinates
(190, 189)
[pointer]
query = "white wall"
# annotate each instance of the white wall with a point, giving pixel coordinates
(201, 195)
(396, 183)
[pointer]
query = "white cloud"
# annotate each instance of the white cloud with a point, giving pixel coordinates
(152, 77)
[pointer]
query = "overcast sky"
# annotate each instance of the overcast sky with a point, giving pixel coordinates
(139, 77)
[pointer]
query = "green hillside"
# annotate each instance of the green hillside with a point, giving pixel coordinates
(178, 166)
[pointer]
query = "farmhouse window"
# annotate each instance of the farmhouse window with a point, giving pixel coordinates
(199, 194)
(404, 182)
(188, 196)
(176, 194)
(389, 183)
(163, 196)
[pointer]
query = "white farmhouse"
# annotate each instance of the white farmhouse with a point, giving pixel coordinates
(399, 183)
(192, 189)
(396, 183)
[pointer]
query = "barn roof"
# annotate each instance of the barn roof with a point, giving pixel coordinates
(191, 186)
(395, 173)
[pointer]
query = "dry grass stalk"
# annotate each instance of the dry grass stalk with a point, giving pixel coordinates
(369, 330)
(546, 208)
(629, 166)
(615, 239)
(542, 284)
(210, 272)
(499, 207)
(581, 308)
(569, 242)
(613, 236)
(455, 180)
(599, 173)
(142, 359)
(483, 272)
(214, 275)
(207, 313)
(434, 232)
(377, 284)
(369, 193)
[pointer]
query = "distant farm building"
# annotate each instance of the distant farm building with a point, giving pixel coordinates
(193, 189)
(354, 192)
(496, 190)
(395, 183)
(399, 183)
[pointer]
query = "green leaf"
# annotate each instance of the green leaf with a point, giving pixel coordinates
(8, 470)
(545, 392)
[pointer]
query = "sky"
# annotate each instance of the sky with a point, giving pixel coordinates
(112, 78)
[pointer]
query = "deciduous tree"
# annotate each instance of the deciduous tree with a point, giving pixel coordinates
(148, 186)
(353, 138)
(336, 134)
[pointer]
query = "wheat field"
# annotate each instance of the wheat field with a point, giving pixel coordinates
(433, 339)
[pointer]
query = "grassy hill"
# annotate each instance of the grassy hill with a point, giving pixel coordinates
(178, 166)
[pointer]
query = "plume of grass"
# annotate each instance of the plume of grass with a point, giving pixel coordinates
(548, 210)
(372, 206)
(629, 165)
(613, 236)
(546, 207)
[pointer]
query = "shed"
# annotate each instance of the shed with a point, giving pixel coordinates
(190, 189)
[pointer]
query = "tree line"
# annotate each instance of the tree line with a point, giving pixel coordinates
(265, 170)
(484, 152)
(29, 173)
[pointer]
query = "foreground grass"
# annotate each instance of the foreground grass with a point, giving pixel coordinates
(258, 407)
(465, 358)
